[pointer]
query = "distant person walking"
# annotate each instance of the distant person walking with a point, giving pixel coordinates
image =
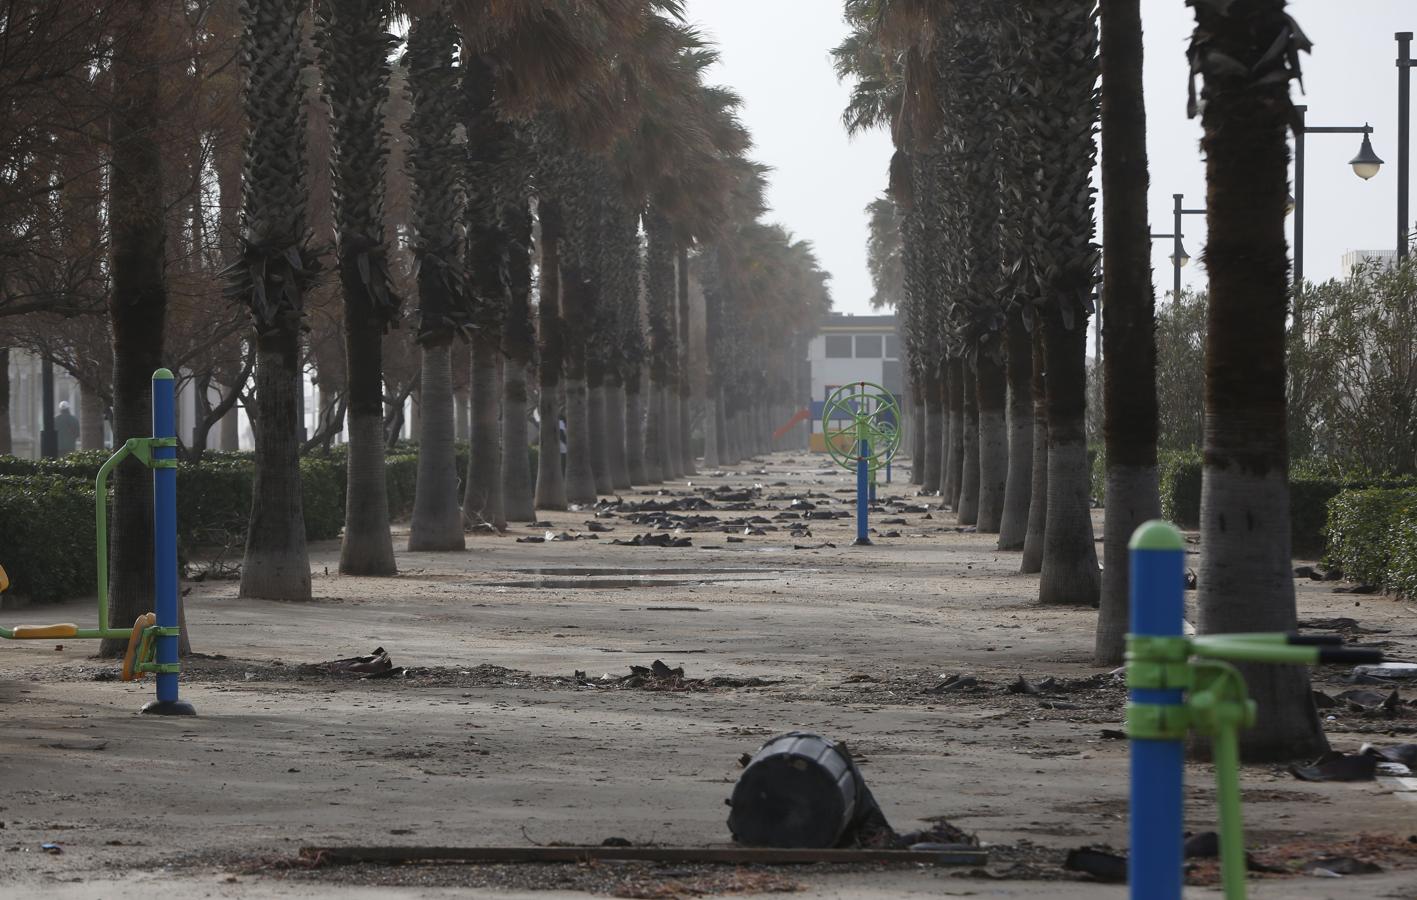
(66, 428)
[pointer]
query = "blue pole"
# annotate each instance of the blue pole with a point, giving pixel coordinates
(165, 544)
(863, 478)
(1157, 609)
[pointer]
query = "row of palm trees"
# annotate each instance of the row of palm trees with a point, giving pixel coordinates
(994, 109)
(571, 179)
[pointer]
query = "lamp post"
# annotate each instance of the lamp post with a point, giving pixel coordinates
(1365, 165)
(1179, 256)
(1405, 64)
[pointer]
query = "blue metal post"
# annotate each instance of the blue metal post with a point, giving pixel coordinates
(165, 545)
(863, 478)
(1157, 609)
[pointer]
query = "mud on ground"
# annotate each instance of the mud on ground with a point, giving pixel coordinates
(513, 715)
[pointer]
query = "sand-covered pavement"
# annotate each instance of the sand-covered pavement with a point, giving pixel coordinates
(492, 739)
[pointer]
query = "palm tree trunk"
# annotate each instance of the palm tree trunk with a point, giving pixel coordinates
(933, 462)
(1070, 573)
(580, 477)
(968, 509)
(918, 443)
(462, 418)
(276, 565)
(991, 389)
(673, 417)
(518, 345)
(1129, 302)
(550, 479)
(952, 478)
(1032, 562)
(368, 547)
(90, 418)
(481, 497)
(615, 450)
(517, 505)
(635, 428)
(599, 439)
(1019, 366)
(437, 515)
(1245, 580)
(713, 427)
(686, 381)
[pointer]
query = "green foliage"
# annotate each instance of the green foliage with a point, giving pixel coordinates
(47, 536)
(1373, 537)
(47, 509)
(1180, 374)
(1353, 370)
(1180, 481)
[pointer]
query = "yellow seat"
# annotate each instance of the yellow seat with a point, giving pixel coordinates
(4, 580)
(37, 632)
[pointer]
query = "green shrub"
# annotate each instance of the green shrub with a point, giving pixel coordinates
(1372, 537)
(1180, 482)
(1402, 573)
(47, 536)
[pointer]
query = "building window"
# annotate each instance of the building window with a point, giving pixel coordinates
(868, 346)
(892, 347)
(838, 346)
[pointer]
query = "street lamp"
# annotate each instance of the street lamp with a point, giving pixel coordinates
(1365, 165)
(1405, 64)
(1179, 257)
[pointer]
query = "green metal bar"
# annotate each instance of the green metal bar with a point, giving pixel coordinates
(99, 633)
(6, 633)
(1253, 651)
(101, 532)
(1225, 746)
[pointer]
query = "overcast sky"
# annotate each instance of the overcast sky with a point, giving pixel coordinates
(775, 53)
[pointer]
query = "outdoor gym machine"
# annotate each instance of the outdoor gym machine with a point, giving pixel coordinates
(867, 442)
(152, 641)
(1179, 684)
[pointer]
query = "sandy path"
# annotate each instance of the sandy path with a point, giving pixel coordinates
(850, 637)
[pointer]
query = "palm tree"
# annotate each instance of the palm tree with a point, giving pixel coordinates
(1064, 58)
(550, 480)
(1246, 52)
(354, 47)
(275, 268)
(1037, 528)
(659, 292)
(436, 206)
(518, 334)
(487, 151)
(1129, 341)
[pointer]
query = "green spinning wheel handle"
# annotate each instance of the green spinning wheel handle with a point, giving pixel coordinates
(856, 412)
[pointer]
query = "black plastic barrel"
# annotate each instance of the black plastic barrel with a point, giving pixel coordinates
(799, 790)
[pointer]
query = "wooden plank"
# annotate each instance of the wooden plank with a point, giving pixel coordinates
(961, 855)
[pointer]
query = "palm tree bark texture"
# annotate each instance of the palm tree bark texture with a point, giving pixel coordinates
(487, 147)
(354, 48)
(1245, 582)
(550, 480)
(272, 276)
(435, 207)
(1065, 45)
(1129, 301)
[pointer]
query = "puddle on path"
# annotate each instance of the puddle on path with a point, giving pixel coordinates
(635, 573)
(600, 584)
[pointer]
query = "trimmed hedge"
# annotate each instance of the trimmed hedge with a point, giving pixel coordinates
(47, 536)
(1373, 537)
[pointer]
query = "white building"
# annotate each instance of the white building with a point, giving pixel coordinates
(1386, 259)
(848, 349)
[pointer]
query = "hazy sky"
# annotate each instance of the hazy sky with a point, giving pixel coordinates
(775, 53)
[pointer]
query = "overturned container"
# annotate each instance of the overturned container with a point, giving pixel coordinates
(799, 790)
